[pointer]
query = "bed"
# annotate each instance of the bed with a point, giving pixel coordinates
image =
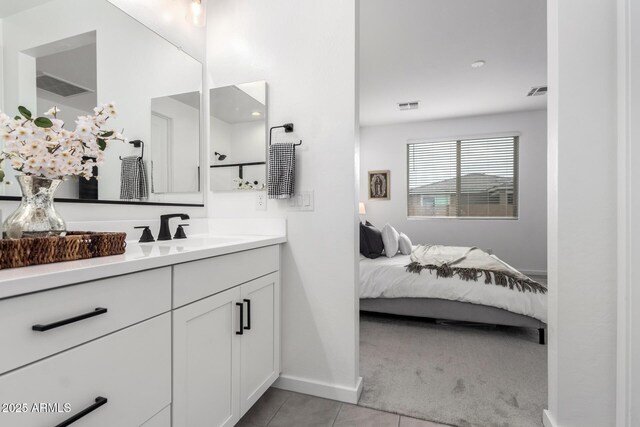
(386, 287)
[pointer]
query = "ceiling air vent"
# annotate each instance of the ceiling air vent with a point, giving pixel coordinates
(537, 91)
(414, 105)
(58, 86)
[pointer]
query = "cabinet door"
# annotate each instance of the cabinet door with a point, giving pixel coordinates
(205, 362)
(260, 343)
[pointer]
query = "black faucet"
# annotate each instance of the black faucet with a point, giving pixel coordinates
(165, 233)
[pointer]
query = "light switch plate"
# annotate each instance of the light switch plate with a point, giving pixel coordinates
(302, 201)
(261, 201)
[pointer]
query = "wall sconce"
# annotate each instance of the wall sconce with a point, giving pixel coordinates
(195, 14)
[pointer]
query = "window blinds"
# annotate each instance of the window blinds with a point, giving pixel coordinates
(464, 178)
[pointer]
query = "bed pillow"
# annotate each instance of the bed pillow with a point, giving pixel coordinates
(371, 245)
(390, 238)
(404, 244)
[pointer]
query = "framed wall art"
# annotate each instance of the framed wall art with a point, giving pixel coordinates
(379, 185)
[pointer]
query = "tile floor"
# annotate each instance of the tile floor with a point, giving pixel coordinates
(280, 408)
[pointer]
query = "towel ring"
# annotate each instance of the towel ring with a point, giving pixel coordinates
(288, 128)
(137, 144)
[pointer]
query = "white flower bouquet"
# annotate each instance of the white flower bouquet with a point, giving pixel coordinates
(43, 147)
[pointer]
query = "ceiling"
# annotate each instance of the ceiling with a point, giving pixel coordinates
(422, 50)
(192, 99)
(10, 7)
(231, 104)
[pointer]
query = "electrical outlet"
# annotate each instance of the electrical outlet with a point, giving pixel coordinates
(261, 201)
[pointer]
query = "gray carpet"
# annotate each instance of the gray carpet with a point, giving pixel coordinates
(453, 374)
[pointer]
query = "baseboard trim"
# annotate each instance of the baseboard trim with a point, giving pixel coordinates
(547, 419)
(320, 389)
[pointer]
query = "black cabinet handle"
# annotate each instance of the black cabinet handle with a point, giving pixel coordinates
(240, 325)
(248, 301)
(41, 328)
(99, 402)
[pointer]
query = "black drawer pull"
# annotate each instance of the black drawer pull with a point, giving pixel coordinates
(99, 402)
(41, 328)
(241, 324)
(248, 301)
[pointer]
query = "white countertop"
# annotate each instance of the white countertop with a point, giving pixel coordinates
(138, 257)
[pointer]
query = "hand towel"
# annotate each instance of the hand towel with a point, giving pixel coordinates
(282, 171)
(133, 179)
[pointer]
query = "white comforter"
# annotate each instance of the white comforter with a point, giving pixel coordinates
(387, 278)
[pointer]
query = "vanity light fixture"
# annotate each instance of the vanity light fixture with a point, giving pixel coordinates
(220, 157)
(195, 14)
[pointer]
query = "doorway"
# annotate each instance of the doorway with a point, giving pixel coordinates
(453, 107)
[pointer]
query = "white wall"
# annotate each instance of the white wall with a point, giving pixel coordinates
(247, 142)
(184, 150)
(521, 243)
(582, 213)
(242, 143)
(306, 51)
(220, 134)
(74, 212)
(167, 18)
(628, 207)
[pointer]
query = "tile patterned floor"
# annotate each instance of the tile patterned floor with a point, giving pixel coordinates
(280, 408)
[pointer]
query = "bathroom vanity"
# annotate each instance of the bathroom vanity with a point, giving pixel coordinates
(176, 333)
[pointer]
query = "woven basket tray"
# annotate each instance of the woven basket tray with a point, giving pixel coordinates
(44, 250)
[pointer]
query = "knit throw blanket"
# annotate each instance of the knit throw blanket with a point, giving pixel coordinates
(470, 264)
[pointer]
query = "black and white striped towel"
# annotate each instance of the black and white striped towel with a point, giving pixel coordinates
(282, 171)
(133, 179)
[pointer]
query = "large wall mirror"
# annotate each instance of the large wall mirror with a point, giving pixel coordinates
(238, 137)
(77, 54)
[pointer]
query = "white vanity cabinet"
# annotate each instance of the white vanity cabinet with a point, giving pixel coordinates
(187, 345)
(99, 352)
(226, 348)
(123, 378)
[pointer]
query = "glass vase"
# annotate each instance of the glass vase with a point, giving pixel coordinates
(36, 216)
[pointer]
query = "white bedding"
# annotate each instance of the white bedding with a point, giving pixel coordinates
(387, 278)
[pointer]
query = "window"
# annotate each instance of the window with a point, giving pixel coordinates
(469, 178)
